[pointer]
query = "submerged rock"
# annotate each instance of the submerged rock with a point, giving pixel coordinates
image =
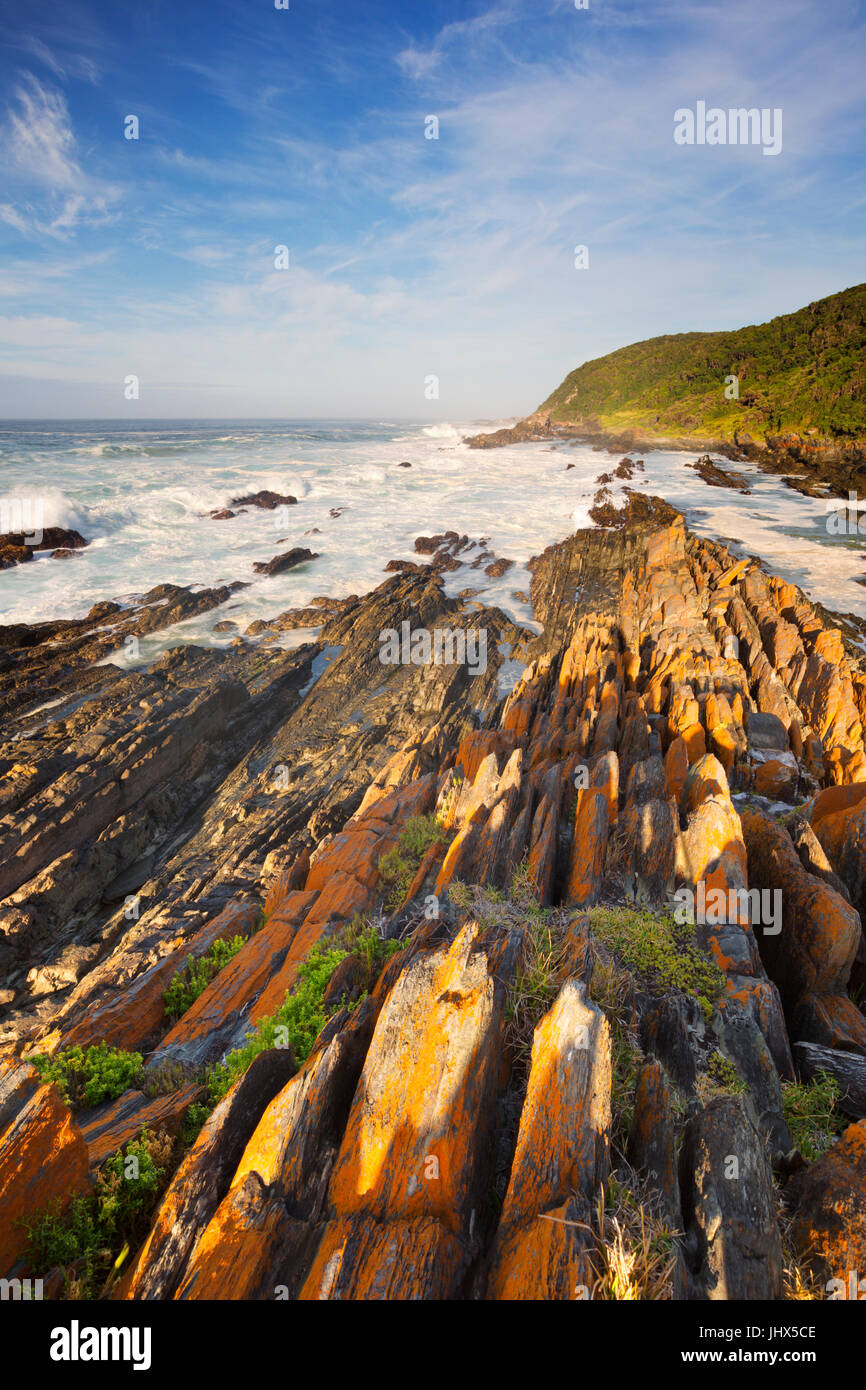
(289, 560)
(17, 548)
(269, 501)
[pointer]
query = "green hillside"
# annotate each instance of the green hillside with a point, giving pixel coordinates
(802, 371)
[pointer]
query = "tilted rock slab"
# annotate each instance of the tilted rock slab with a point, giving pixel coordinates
(733, 1246)
(411, 1177)
(203, 1177)
(562, 1155)
(43, 1156)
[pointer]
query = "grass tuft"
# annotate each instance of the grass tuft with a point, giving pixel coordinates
(611, 989)
(399, 865)
(636, 1253)
(811, 1114)
(721, 1078)
(660, 950)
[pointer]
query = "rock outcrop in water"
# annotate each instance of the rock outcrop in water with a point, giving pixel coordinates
(18, 547)
(541, 1044)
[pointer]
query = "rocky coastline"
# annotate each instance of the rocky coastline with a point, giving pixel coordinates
(429, 838)
(809, 464)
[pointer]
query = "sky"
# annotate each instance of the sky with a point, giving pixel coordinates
(409, 258)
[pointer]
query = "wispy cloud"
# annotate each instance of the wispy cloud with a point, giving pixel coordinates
(70, 65)
(410, 256)
(421, 62)
(37, 135)
(39, 154)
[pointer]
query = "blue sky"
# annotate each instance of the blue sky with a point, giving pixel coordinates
(409, 257)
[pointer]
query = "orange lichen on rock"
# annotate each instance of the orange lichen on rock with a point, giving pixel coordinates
(43, 1156)
(836, 799)
(829, 1227)
(355, 852)
(228, 993)
(139, 1011)
(420, 1116)
(562, 1152)
(548, 1259)
(363, 1260)
(239, 1252)
(820, 932)
(122, 1120)
(203, 1178)
(652, 1138)
(676, 768)
(564, 1136)
(586, 865)
(310, 931)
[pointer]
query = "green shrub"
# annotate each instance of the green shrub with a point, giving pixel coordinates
(811, 1114)
(88, 1077)
(302, 1016)
(723, 1076)
(97, 1230)
(361, 938)
(193, 1121)
(300, 1019)
(196, 975)
(62, 1239)
(128, 1182)
(167, 1077)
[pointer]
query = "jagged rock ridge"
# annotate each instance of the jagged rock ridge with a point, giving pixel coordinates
(676, 703)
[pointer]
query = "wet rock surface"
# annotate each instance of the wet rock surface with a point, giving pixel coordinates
(19, 547)
(719, 477)
(289, 560)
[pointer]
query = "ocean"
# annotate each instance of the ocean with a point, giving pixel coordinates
(141, 492)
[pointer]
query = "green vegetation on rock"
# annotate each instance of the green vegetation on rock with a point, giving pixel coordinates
(302, 1016)
(660, 950)
(91, 1239)
(611, 989)
(811, 1114)
(193, 1120)
(799, 372)
(86, 1077)
(194, 978)
(722, 1078)
(399, 865)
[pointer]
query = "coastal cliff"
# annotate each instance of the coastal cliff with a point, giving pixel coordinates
(789, 395)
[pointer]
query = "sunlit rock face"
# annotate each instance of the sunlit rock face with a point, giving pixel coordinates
(466, 960)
